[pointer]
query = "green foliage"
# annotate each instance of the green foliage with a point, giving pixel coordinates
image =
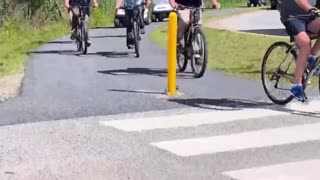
(26, 24)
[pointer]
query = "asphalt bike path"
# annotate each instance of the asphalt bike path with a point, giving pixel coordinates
(59, 84)
(221, 128)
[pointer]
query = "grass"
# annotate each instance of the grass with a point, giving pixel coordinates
(18, 39)
(231, 52)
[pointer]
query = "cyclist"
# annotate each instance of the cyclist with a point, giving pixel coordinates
(184, 15)
(299, 17)
(140, 3)
(73, 10)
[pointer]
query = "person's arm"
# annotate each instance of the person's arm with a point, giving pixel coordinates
(118, 4)
(215, 3)
(95, 3)
(304, 4)
(66, 3)
(173, 3)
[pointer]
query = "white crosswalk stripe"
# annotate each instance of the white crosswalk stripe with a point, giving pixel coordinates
(189, 120)
(302, 170)
(244, 140)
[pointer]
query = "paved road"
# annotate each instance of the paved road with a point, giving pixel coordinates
(59, 84)
(260, 22)
(84, 125)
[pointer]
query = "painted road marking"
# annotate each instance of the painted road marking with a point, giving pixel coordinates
(190, 119)
(241, 141)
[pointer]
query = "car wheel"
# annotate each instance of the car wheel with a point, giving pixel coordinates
(116, 23)
(153, 18)
(147, 21)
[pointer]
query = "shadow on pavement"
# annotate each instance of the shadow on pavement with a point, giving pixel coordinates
(144, 71)
(221, 104)
(108, 36)
(55, 42)
(62, 52)
(230, 104)
(112, 54)
(110, 27)
(274, 32)
(137, 91)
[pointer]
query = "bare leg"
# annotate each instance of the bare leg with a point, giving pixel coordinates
(304, 46)
(314, 27)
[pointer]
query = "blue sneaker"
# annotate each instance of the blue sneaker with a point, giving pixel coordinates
(312, 61)
(298, 93)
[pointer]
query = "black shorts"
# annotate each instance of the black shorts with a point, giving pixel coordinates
(296, 25)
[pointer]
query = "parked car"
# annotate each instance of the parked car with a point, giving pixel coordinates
(161, 10)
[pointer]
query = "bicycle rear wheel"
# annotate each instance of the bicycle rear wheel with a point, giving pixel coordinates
(136, 38)
(199, 58)
(282, 70)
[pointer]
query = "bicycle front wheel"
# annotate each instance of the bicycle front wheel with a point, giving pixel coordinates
(84, 38)
(278, 67)
(199, 58)
(136, 40)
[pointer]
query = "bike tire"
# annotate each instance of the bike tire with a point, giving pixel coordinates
(78, 39)
(84, 39)
(182, 58)
(263, 72)
(136, 38)
(204, 53)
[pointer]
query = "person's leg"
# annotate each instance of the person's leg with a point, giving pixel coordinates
(129, 28)
(75, 14)
(297, 29)
(87, 23)
(314, 27)
(183, 23)
(141, 17)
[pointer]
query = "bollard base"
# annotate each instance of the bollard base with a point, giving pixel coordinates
(171, 94)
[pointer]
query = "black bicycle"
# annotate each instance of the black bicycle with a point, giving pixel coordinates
(82, 30)
(281, 72)
(195, 45)
(132, 12)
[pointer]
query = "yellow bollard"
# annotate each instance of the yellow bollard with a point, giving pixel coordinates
(172, 54)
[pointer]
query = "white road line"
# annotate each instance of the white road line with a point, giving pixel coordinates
(303, 170)
(190, 119)
(241, 141)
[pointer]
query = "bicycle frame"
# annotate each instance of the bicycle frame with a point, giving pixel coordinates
(194, 19)
(133, 13)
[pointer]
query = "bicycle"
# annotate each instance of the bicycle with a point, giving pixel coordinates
(290, 49)
(82, 30)
(195, 45)
(132, 12)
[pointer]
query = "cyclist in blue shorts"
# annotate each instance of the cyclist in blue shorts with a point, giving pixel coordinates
(299, 17)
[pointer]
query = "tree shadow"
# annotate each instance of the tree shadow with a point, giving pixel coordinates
(101, 27)
(108, 36)
(60, 52)
(221, 104)
(112, 54)
(231, 104)
(144, 71)
(137, 91)
(273, 32)
(54, 42)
